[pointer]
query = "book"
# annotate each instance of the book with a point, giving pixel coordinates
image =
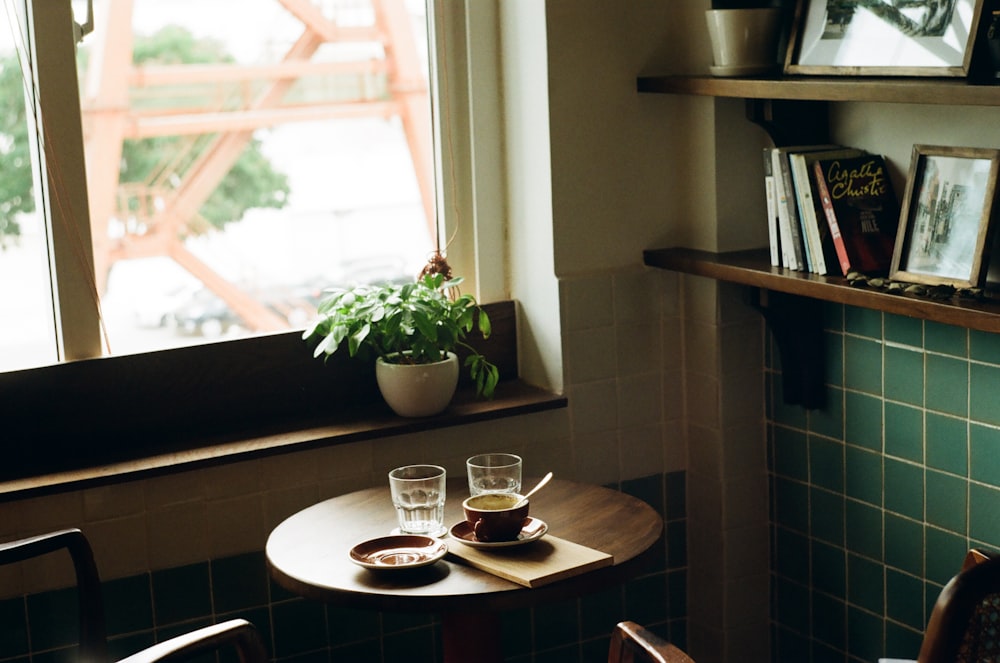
(774, 241)
(543, 562)
(861, 210)
(815, 230)
(788, 214)
(788, 254)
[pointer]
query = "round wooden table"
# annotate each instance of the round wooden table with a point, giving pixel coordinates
(308, 554)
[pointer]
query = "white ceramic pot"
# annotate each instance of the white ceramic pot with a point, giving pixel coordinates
(417, 390)
(744, 41)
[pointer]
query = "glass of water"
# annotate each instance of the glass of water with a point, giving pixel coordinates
(418, 494)
(494, 473)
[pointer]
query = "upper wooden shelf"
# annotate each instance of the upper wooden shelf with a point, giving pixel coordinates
(754, 268)
(954, 92)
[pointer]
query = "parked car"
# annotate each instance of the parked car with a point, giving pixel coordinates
(205, 314)
(156, 310)
(375, 270)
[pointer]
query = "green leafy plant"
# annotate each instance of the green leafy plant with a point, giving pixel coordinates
(415, 323)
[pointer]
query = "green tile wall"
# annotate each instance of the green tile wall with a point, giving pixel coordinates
(876, 499)
(146, 608)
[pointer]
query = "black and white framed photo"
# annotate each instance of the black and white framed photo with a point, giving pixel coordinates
(946, 216)
(883, 37)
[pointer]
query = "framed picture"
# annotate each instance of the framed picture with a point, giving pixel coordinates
(883, 37)
(946, 216)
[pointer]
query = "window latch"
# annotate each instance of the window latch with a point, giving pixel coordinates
(81, 30)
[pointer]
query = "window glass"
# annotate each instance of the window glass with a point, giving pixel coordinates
(242, 155)
(26, 331)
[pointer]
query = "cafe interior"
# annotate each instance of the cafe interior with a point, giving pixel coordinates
(789, 533)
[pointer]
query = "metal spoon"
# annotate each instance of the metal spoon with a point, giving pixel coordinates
(524, 498)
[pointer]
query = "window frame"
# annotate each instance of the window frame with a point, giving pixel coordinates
(467, 122)
(64, 205)
(264, 394)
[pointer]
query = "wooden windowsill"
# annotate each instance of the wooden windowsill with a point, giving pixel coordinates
(109, 419)
(513, 398)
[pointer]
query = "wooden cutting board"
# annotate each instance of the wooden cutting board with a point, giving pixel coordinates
(535, 564)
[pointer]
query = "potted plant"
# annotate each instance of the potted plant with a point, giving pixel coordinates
(413, 331)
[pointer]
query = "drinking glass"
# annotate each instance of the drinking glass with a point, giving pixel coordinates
(418, 493)
(494, 473)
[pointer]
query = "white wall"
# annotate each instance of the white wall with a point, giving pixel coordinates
(529, 194)
(617, 187)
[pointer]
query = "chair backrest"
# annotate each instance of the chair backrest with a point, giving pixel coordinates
(975, 556)
(93, 648)
(93, 636)
(237, 633)
(631, 643)
(963, 624)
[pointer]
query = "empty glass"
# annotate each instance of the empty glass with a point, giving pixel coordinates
(494, 473)
(418, 493)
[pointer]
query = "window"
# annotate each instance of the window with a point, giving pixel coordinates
(240, 156)
(29, 336)
(58, 186)
(78, 421)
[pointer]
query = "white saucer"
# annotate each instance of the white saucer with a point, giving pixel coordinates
(391, 553)
(533, 530)
(741, 69)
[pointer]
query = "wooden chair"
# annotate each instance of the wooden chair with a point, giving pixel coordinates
(975, 556)
(964, 626)
(631, 643)
(238, 634)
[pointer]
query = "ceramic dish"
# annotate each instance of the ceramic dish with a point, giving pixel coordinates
(405, 551)
(533, 530)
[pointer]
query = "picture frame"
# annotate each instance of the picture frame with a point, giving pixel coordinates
(877, 38)
(947, 216)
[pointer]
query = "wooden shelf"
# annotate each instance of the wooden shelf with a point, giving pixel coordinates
(954, 92)
(795, 110)
(753, 268)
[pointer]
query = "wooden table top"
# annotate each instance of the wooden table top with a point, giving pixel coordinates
(308, 553)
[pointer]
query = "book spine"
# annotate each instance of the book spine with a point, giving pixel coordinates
(831, 218)
(774, 241)
(784, 225)
(807, 215)
(791, 211)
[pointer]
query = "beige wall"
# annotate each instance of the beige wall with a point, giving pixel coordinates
(631, 172)
(613, 190)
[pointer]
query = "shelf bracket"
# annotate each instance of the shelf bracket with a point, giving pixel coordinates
(791, 122)
(797, 326)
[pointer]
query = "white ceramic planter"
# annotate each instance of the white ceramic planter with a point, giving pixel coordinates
(744, 41)
(417, 390)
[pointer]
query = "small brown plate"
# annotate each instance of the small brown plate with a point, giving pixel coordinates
(533, 530)
(404, 551)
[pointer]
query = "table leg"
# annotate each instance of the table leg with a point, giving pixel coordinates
(471, 636)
